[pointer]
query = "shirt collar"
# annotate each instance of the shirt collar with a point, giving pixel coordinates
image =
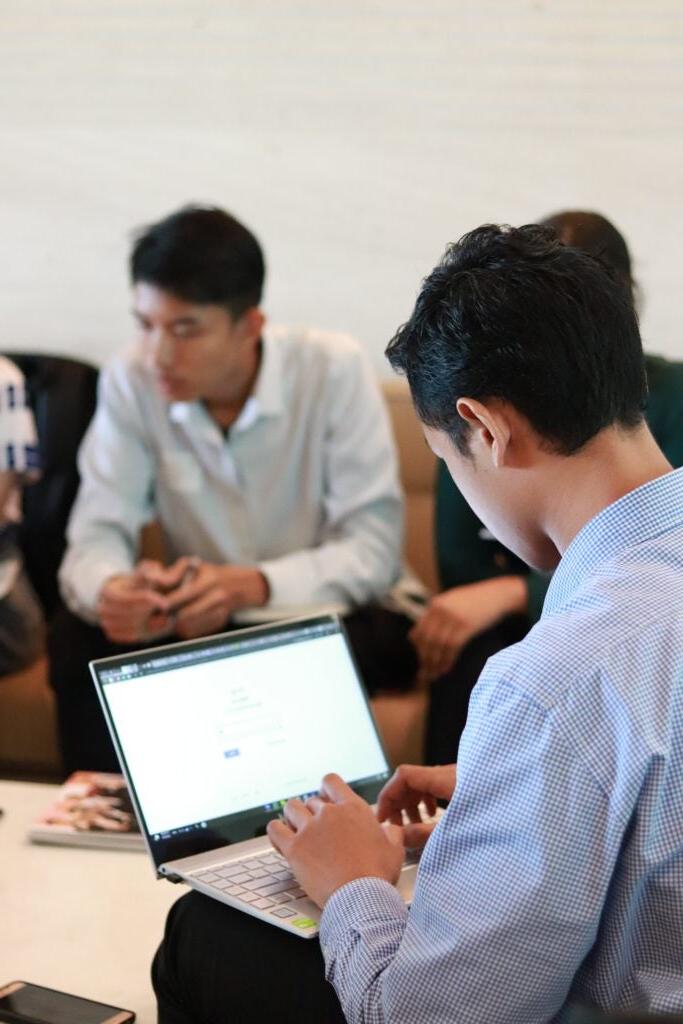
(266, 398)
(268, 390)
(649, 510)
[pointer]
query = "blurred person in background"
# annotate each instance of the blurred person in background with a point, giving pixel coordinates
(264, 454)
(22, 629)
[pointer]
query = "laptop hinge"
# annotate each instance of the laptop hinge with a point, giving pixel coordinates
(170, 876)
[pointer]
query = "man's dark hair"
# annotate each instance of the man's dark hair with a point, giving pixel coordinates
(201, 254)
(594, 234)
(511, 313)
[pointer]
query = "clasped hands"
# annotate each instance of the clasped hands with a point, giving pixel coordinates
(189, 598)
(336, 837)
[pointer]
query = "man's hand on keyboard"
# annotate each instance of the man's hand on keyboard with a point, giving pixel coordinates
(335, 838)
(410, 794)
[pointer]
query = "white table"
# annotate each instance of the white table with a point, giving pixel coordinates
(85, 921)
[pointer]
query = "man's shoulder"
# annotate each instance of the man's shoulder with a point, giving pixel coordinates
(311, 345)
(610, 657)
(321, 367)
(10, 372)
(127, 373)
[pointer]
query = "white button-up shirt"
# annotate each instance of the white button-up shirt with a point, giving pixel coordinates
(305, 485)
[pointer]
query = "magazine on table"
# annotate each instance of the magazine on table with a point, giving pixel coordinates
(90, 809)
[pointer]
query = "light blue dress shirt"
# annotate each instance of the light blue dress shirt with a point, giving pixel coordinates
(556, 874)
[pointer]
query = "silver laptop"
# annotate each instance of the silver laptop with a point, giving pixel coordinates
(215, 735)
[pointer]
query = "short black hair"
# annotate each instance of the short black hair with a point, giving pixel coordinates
(511, 313)
(201, 254)
(590, 231)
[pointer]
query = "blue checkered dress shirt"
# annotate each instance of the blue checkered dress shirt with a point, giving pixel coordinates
(556, 873)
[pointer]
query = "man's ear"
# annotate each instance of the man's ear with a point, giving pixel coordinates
(251, 323)
(489, 426)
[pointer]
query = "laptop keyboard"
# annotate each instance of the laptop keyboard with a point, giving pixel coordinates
(265, 882)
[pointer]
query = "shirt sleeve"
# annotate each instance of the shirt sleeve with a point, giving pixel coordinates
(359, 556)
(115, 496)
(510, 887)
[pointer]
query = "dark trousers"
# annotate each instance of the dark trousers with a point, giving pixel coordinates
(217, 965)
(377, 637)
(83, 734)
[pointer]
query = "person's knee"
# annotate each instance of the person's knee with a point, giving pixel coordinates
(188, 921)
(209, 967)
(165, 973)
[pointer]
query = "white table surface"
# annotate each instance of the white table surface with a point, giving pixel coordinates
(82, 920)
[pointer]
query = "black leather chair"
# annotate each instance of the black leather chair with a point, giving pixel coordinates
(63, 394)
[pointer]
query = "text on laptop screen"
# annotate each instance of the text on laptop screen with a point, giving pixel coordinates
(215, 730)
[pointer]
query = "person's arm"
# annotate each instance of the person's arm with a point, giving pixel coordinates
(115, 496)
(7, 483)
(482, 582)
(454, 617)
(510, 891)
(358, 558)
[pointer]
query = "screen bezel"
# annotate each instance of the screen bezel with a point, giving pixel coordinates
(245, 825)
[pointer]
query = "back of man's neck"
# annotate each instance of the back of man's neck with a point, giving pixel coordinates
(612, 465)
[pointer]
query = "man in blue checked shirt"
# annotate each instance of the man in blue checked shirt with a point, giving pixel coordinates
(555, 876)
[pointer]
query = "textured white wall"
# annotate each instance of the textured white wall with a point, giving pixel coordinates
(356, 137)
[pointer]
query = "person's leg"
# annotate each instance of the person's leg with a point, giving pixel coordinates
(22, 628)
(450, 695)
(379, 640)
(83, 734)
(217, 965)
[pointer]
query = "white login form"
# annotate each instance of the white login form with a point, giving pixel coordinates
(214, 738)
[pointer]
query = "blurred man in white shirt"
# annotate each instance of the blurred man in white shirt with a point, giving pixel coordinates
(265, 456)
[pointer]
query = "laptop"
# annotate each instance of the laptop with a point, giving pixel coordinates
(215, 735)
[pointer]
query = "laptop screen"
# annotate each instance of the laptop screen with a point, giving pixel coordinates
(215, 735)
